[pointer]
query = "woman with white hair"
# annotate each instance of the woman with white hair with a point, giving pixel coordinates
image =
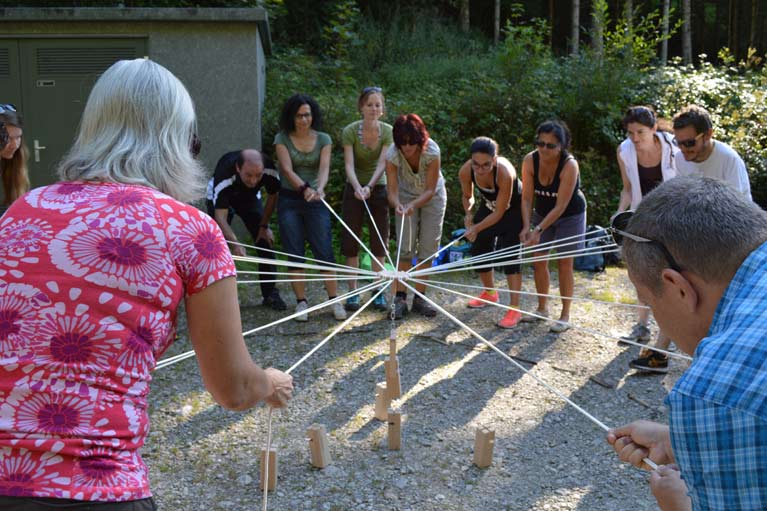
(91, 276)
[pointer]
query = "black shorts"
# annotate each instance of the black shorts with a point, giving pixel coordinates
(504, 234)
(40, 504)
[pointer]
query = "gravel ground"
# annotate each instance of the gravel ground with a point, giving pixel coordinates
(547, 455)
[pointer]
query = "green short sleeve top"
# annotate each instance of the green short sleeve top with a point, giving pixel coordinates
(306, 165)
(366, 158)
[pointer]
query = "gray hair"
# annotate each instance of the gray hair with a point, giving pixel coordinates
(137, 128)
(708, 227)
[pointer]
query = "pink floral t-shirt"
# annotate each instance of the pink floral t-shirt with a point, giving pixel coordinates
(91, 275)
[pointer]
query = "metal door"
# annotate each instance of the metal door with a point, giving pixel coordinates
(56, 77)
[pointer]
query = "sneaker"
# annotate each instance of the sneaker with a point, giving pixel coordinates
(639, 333)
(400, 307)
(510, 320)
(275, 301)
(422, 306)
(338, 311)
(558, 328)
(352, 303)
(650, 362)
(301, 307)
(527, 318)
(380, 303)
(478, 303)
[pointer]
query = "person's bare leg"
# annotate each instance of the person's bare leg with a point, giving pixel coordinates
(487, 280)
(403, 266)
(299, 286)
(566, 285)
(331, 285)
(514, 281)
(354, 262)
(542, 278)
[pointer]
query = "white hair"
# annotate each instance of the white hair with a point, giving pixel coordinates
(137, 128)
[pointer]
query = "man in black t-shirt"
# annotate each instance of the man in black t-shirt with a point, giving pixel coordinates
(235, 189)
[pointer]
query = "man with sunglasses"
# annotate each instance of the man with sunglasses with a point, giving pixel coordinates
(696, 250)
(704, 156)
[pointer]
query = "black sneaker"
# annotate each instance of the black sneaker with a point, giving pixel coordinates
(422, 306)
(400, 307)
(275, 301)
(650, 362)
(639, 333)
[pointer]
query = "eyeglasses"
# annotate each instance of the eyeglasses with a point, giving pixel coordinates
(304, 116)
(369, 90)
(483, 166)
(689, 142)
(547, 145)
(7, 108)
(619, 223)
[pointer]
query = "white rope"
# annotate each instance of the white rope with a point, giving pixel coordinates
(318, 279)
(278, 261)
(518, 365)
(399, 242)
(373, 257)
(530, 293)
(266, 460)
(294, 274)
(570, 325)
(380, 238)
(290, 264)
(435, 254)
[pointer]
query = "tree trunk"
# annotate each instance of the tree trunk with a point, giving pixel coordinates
(598, 27)
(551, 24)
(575, 32)
(497, 22)
(664, 43)
(628, 13)
(732, 29)
(465, 15)
(752, 42)
(686, 32)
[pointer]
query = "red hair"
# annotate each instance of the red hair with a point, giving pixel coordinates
(410, 129)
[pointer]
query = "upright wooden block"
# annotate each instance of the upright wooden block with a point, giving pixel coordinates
(483, 447)
(393, 385)
(318, 445)
(382, 402)
(392, 348)
(272, 468)
(395, 430)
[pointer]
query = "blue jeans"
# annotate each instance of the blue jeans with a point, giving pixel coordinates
(302, 222)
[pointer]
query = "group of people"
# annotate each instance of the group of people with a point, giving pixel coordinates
(93, 270)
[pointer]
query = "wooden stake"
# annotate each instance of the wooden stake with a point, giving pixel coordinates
(483, 447)
(382, 402)
(392, 347)
(395, 430)
(393, 385)
(272, 468)
(318, 445)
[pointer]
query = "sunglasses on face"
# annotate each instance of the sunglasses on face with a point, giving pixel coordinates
(619, 224)
(687, 143)
(7, 108)
(547, 145)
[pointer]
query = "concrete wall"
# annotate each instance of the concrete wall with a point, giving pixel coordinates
(219, 54)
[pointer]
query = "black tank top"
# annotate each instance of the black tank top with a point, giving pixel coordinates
(649, 178)
(546, 196)
(491, 196)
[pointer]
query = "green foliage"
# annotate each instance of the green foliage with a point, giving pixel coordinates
(463, 87)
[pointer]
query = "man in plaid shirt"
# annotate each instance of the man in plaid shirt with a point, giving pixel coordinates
(698, 257)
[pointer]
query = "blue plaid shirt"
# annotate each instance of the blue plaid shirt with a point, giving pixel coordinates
(718, 408)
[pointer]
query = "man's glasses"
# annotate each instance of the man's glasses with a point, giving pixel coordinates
(619, 223)
(7, 108)
(547, 145)
(689, 142)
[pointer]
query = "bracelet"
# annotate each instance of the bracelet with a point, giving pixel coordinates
(537, 228)
(303, 187)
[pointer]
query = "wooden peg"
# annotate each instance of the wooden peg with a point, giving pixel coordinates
(393, 385)
(392, 348)
(394, 430)
(318, 445)
(272, 468)
(483, 447)
(382, 402)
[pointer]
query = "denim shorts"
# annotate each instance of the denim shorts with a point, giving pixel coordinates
(301, 222)
(567, 227)
(40, 504)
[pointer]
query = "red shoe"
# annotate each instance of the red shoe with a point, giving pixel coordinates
(477, 303)
(510, 320)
